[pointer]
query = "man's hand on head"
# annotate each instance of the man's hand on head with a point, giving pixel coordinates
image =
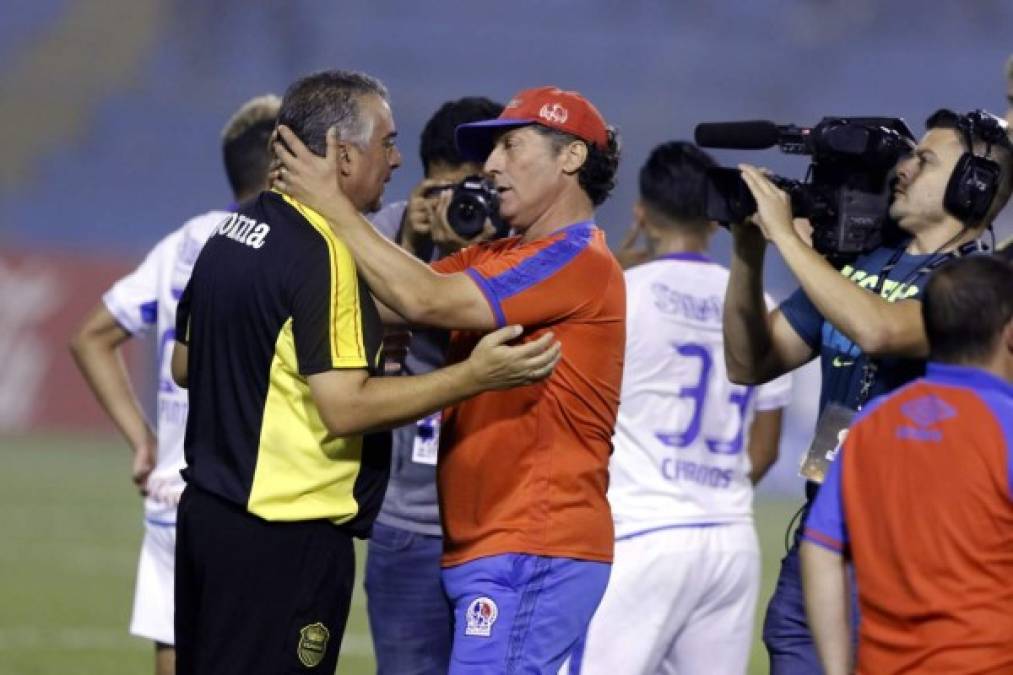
(307, 177)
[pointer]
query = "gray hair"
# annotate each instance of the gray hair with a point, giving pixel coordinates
(330, 99)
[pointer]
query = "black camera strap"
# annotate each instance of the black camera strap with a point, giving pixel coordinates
(870, 367)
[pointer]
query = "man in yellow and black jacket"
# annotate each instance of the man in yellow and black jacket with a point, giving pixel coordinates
(279, 342)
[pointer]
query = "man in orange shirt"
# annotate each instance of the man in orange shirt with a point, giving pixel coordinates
(522, 476)
(921, 498)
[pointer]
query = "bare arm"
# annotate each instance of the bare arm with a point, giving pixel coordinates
(825, 585)
(96, 350)
(351, 402)
(398, 279)
(388, 317)
(759, 345)
(879, 327)
(764, 442)
(180, 356)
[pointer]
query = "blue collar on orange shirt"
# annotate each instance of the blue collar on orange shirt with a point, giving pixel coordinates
(966, 376)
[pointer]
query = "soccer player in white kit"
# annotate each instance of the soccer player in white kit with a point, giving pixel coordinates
(144, 300)
(689, 446)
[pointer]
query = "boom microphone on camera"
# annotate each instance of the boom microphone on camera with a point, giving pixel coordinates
(846, 192)
(749, 135)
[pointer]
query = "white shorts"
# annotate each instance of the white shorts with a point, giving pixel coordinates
(680, 600)
(153, 598)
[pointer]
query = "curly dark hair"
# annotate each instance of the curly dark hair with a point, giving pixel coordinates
(598, 174)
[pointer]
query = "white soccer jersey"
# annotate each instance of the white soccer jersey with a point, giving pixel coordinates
(680, 441)
(146, 299)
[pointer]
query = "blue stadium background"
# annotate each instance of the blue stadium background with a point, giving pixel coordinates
(112, 108)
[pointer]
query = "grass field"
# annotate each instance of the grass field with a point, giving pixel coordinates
(69, 537)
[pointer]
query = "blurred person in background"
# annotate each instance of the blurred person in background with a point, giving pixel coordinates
(689, 446)
(279, 343)
(145, 300)
(521, 477)
(1009, 92)
(920, 499)
(410, 618)
(863, 321)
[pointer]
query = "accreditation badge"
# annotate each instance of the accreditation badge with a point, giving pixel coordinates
(426, 448)
(831, 430)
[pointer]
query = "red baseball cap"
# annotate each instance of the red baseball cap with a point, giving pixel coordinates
(551, 107)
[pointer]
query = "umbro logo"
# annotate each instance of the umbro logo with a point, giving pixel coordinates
(928, 410)
(925, 411)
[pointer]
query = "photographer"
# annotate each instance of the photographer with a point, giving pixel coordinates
(863, 321)
(410, 618)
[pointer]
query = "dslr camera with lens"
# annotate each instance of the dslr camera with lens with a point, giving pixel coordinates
(847, 190)
(473, 200)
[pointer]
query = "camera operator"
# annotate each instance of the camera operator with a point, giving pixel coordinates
(410, 618)
(863, 321)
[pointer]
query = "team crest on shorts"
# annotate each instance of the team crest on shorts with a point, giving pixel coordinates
(312, 644)
(481, 615)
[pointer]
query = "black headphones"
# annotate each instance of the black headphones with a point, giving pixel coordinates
(975, 179)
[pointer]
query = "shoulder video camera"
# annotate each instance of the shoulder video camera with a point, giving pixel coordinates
(847, 190)
(474, 200)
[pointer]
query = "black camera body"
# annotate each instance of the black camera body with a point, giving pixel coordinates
(473, 200)
(847, 191)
